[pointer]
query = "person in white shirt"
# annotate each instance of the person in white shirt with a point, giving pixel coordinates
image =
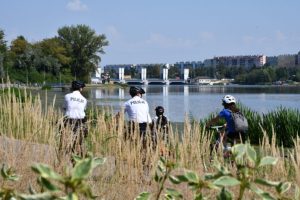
(137, 110)
(74, 107)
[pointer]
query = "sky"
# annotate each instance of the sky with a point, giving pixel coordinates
(163, 31)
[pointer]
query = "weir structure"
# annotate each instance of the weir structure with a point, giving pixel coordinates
(144, 80)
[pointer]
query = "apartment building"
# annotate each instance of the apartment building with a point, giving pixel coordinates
(237, 61)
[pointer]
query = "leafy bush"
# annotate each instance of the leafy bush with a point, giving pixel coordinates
(247, 178)
(54, 185)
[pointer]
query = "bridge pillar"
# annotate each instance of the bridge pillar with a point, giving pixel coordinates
(186, 74)
(144, 73)
(121, 74)
(165, 74)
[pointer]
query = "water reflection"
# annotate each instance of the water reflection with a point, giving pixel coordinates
(196, 101)
(121, 93)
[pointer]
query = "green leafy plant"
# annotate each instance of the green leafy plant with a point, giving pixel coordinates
(53, 185)
(247, 164)
(8, 175)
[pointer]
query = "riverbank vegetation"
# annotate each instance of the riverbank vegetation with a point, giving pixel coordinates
(74, 54)
(285, 122)
(29, 132)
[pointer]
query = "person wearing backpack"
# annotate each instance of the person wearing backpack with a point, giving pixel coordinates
(236, 124)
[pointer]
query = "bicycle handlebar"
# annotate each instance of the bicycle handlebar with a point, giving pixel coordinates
(217, 128)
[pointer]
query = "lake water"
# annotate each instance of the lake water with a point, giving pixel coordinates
(191, 100)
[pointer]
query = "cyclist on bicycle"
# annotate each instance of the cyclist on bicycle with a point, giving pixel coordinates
(229, 104)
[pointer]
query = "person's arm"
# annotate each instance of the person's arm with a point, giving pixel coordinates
(213, 121)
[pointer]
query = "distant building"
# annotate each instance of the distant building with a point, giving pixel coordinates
(237, 61)
(298, 58)
(287, 60)
(272, 60)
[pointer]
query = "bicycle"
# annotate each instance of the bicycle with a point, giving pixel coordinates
(220, 139)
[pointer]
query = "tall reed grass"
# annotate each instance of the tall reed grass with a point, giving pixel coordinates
(131, 167)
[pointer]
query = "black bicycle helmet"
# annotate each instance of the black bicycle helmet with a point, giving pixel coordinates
(76, 85)
(159, 110)
(133, 91)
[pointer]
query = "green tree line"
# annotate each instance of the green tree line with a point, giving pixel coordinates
(253, 75)
(73, 54)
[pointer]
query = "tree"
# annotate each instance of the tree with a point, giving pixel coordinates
(83, 46)
(174, 72)
(3, 49)
(52, 47)
(153, 71)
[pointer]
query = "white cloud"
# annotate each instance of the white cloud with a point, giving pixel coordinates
(76, 5)
(167, 42)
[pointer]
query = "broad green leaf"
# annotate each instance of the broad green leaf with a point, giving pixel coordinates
(174, 180)
(161, 167)
(98, 161)
(191, 177)
(239, 150)
(76, 158)
(143, 196)
(251, 153)
(264, 195)
(174, 193)
(224, 195)
(157, 178)
(48, 185)
(82, 169)
(226, 181)
(13, 177)
(194, 186)
(4, 171)
(163, 160)
(46, 172)
(255, 189)
(268, 160)
(182, 178)
(283, 187)
(41, 196)
(266, 182)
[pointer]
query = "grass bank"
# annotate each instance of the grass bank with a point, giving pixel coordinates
(131, 166)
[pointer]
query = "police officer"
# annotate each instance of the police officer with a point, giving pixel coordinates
(74, 107)
(137, 110)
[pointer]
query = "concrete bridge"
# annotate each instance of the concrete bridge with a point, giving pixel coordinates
(145, 81)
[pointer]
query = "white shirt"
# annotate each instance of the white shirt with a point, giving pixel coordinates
(137, 110)
(75, 105)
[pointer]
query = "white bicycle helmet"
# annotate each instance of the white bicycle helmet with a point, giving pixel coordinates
(228, 99)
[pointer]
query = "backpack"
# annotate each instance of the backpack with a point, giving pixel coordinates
(162, 122)
(239, 121)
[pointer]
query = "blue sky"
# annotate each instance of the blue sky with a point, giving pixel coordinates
(164, 31)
